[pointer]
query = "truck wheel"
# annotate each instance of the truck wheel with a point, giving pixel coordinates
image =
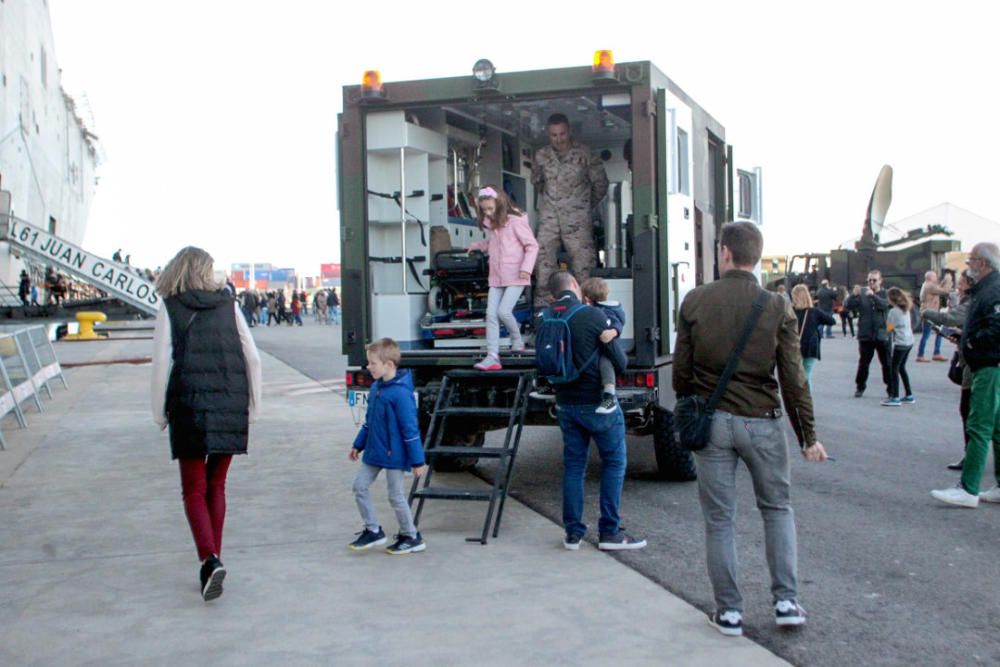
(673, 462)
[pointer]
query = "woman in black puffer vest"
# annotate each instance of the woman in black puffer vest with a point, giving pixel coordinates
(206, 388)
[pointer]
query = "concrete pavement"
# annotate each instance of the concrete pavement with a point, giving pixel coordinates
(97, 564)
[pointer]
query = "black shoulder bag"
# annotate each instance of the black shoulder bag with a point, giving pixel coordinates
(692, 414)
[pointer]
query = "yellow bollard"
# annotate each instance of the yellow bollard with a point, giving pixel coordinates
(86, 320)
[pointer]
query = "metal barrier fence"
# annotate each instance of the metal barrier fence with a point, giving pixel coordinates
(28, 365)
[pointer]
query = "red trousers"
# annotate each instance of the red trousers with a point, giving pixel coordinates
(203, 486)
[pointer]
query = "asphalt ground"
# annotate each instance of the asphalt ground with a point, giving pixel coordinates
(888, 575)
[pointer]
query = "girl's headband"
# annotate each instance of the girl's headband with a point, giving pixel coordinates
(487, 192)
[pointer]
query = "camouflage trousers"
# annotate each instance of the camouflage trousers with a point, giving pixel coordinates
(574, 229)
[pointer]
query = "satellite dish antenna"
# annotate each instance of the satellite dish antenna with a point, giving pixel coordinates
(878, 207)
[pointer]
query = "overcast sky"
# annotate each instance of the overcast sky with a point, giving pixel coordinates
(218, 117)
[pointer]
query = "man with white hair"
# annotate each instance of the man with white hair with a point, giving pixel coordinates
(930, 293)
(981, 350)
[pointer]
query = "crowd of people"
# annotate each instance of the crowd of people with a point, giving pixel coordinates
(276, 307)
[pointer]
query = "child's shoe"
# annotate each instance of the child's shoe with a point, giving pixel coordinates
(608, 404)
(406, 544)
(908, 400)
(368, 539)
(517, 346)
(489, 363)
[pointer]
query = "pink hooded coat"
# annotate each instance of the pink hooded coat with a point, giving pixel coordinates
(512, 249)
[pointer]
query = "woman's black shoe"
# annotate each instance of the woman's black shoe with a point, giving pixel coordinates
(212, 575)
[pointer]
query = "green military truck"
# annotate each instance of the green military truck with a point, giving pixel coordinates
(410, 155)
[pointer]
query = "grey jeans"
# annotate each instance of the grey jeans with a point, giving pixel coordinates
(500, 302)
(397, 498)
(762, 446)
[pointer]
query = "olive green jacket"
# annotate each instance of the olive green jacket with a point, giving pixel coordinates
(711, 320)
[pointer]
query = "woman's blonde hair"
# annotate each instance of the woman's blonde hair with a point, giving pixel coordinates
(801, 297)
(190, 269)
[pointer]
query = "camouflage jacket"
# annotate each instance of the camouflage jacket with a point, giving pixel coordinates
(574, 177)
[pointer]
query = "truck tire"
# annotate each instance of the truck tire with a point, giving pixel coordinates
(673, 462)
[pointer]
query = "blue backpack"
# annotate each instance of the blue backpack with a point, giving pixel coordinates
(554, 347)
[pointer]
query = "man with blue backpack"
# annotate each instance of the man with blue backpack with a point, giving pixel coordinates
(570, 337)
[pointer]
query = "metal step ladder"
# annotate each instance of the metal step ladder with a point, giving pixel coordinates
(517, 382)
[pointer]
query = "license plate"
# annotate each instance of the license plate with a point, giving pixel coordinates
(357, 398)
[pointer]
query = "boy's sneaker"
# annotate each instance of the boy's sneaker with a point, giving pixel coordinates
(572, 542)
(608, 405)
(788, 613)
(729, 623)
(517, 347)
(406, 544)
(620, 541)
(991, 496)
(489, 363)
(956, 496)
(891, 403)
(368, 539)
(909, 400)
(212, 575)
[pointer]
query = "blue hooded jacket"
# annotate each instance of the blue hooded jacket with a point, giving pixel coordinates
(390, 437)
(615, 313)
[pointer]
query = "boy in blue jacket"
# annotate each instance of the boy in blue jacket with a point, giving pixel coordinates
(595, 293)
(390, 440)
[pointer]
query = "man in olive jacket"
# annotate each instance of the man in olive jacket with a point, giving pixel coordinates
(746, 425)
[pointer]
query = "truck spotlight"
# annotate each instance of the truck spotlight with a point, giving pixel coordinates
(604, 67)
(371, 86)
(485, 74)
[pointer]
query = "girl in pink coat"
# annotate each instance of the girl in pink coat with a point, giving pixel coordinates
(513, 250)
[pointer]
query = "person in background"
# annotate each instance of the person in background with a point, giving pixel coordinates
(333, 301)
(825, 297)
(980, 345)
(846, 316)
(871, 304)
(955, 317)
(898, 325)
(320, 307)
(811, 323)
(296, 316)
(206, 386)
(930, 299)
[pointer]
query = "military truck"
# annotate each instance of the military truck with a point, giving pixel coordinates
(411, 156)
(903, 261)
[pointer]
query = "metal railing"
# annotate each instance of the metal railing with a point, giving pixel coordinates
(28, 365)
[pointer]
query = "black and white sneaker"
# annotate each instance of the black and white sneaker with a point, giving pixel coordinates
(212, 575)
(367, 539)
(620, 541)
(608, 405)
(572, 542)
(729, 623)
(788, 613)
(406, 544)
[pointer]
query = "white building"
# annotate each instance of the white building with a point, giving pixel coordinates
(968, 227)
(48, 157)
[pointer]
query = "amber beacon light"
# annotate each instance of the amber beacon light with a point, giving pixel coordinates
(371, 85)
(604, 66)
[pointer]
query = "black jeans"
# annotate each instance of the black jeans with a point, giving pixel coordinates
(868, 349)
(847, 319)
(898, 370)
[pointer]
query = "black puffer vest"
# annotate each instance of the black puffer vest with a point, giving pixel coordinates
(208, 394)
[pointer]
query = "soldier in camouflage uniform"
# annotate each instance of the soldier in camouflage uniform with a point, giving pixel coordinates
(571, 182)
